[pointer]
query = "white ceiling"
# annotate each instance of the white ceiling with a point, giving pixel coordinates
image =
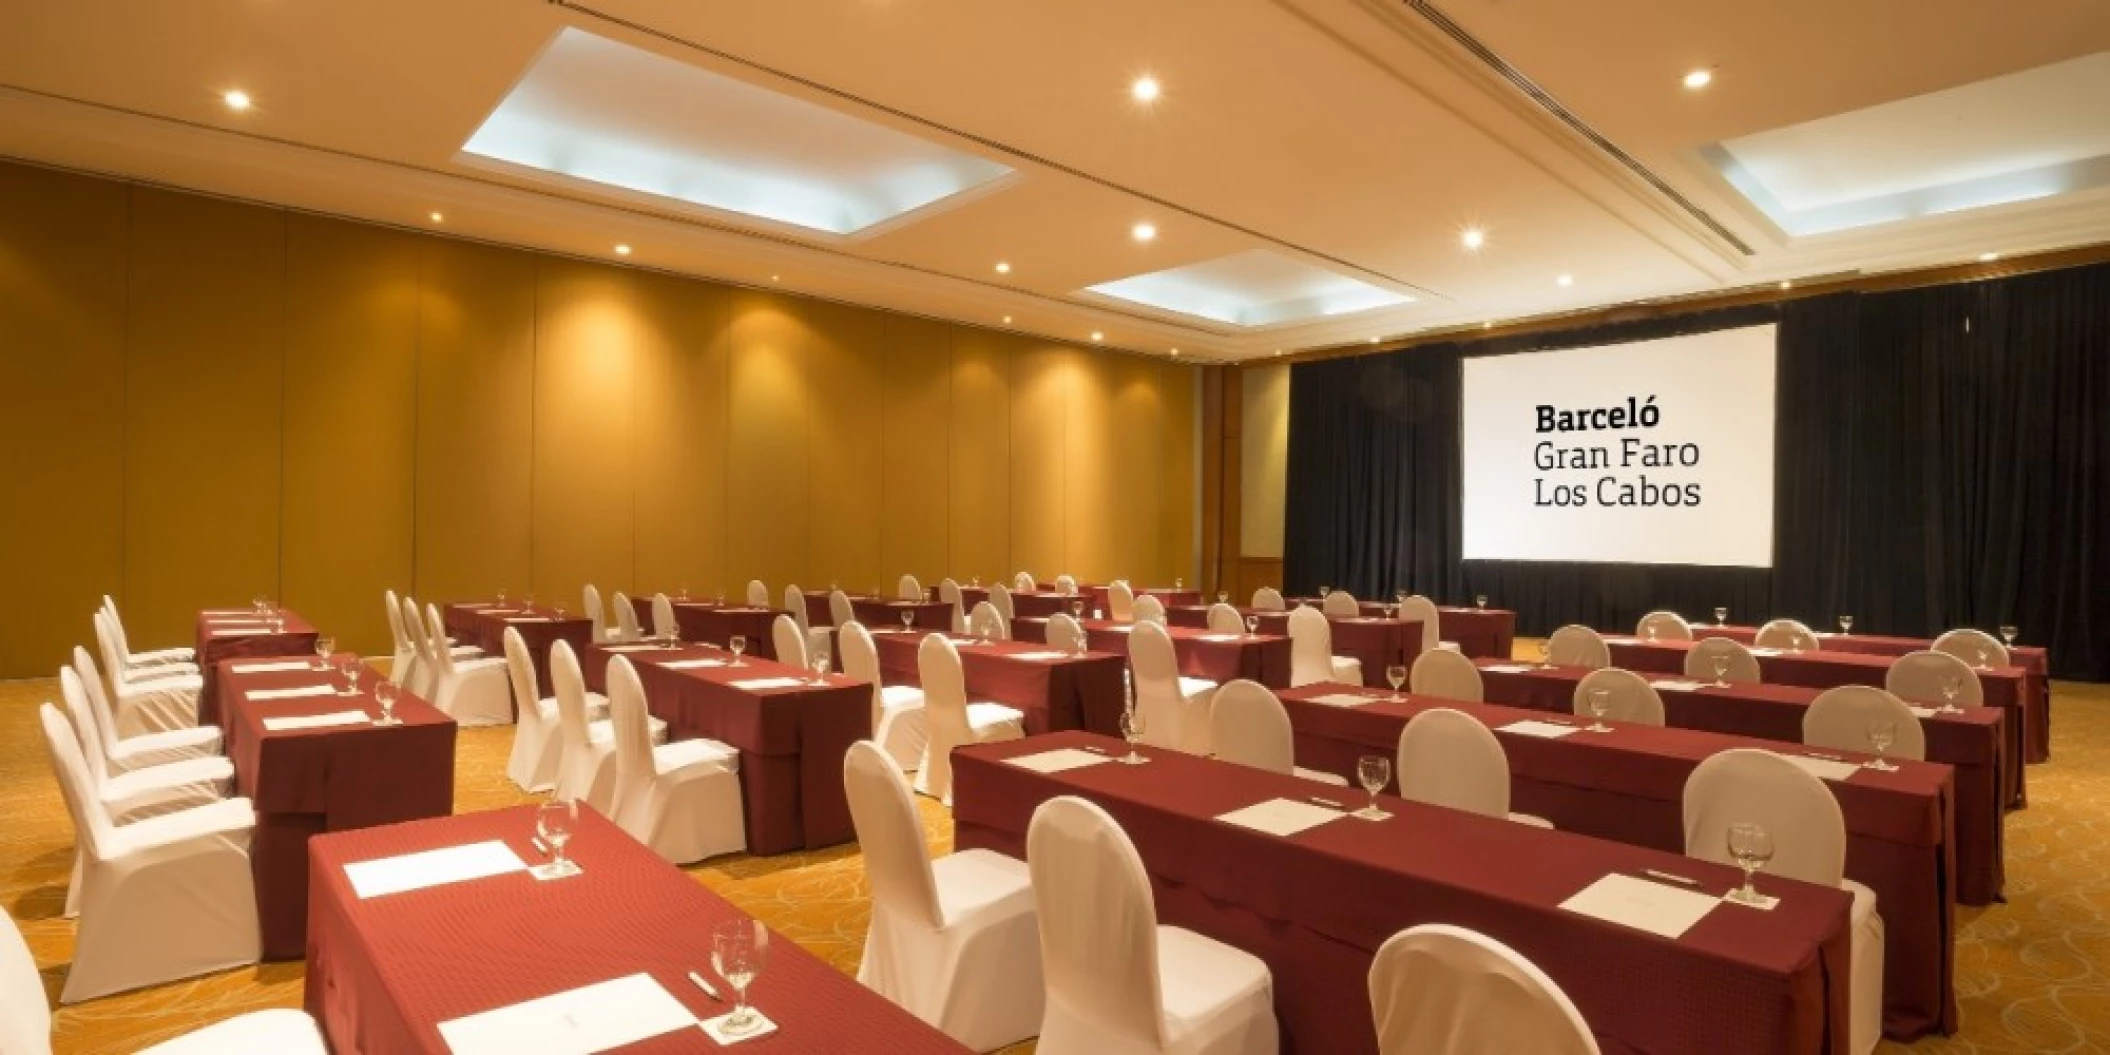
(1352, 137)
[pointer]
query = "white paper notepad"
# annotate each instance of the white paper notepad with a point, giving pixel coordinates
(692, 664)
(1824, 767)
(1281, 816)
(245, 632)
(1058, 760)
(530, 619)
(393, 875)
(633, 648)
(579, 1021)
(1505, 668)
(267, 668)
(768, 683)
(1217, 637)
(1531, 727)
(1769, 651)
(1677, 686)
(1040, 656)
(294, 693)
(1643, 905)
(1921, 712)
(1341, 699)
(317, 721)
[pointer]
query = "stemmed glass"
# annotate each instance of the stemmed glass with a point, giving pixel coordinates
(1323, 591)
(278, 620)
(681, 596)
(1077, 609)
(1223, 597)
(1479, 600)
(1600, 704)
(554, 821)
(820, 666)
(324, 647)
(738, 950)
(738, 644)
(1846, 625)
(1721, 671)
(1399, 597)
(1985, 659)
(501, 597)
(1179, 584)
(1752, 846)
(1373, 772)
(351, 667)
(1390, 610)
(669, 637)
(1882, 732)
(1649, 630)
(1132, 731)
(1252, 626)
(1545, 654)
(385, 696)
(2008, 634)
(1950, 690)
(1721, 617)
(1397, 675)
(908, 619)
(258, 602)
(527, 603)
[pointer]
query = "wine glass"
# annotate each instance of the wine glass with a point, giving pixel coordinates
(1390, 610)
(1179, 584)
(385, 696)
(1649, 630)
(976, 582)
(1985, 659)
(1077, 609)
(1882, 732)
(1600, 704)
(1721, 617)
(278, 621)
(1373, 772)
(908, 619)
(351, 668)
(1950, 690)
(257, 602)
(325, 645)
(681, 596)
(558, 612)
(1721, 670)
(1479, 600)
(527, 602)
(501, 597)
(738, 950)
(1846, 624)
(738, 644)
(1397, 675)
(1252, 626)
(1545, 653)
(1223, 597)
(2008, 634)
(1399, 597)
(1132, 726)
(1323, 591)
(820, 666)
(554, 821)
(1752, 846)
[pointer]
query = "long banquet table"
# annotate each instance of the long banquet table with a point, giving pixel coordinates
(1038, 604)
(305, 782)
(485, 624)
(1056, 691)
(791, 737)
(1372, 639)
(1628, 785)
(235, 633)
(1316, 905)
(1479, 633)
(385, 972)
(1217, 657)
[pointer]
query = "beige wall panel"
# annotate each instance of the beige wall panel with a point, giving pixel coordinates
(589, 324)
(915, 392)
(203, 379)
(476, 420)
(351, 382)
(62, 310)
(1179, 544)
(679, 429)
(1045, 452)
(981, 484)
(1132, 514)
(843, 369)
(1263, 459)
(767, 443)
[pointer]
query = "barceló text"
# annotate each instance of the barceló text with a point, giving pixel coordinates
(1642, 414)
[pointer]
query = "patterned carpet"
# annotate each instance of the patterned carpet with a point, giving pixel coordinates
(2027, 972)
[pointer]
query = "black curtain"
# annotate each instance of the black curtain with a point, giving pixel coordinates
(1942, 459)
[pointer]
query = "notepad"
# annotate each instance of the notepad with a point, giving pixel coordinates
(1041, 656)
(1216, 637)
(634, 648)
(293, 693)
(530, 619)
(1505, 668)
(1058, 760)
(1342, 699)
(1824, 767)
(768, 683)
(692, 664)
(1532, 727)
(266, 668)
(245, 632)
(1677, 686)
(454, 864)
(1769, 651)
(1281, 816)
(317, 721)
(238, 622)
(1661, 910)
(1921, 712)
(578, 1021)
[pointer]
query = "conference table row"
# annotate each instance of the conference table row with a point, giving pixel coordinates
(233, 633)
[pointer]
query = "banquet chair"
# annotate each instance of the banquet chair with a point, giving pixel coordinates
(1742, 668)
(585, 743)
(1000, 596)
(473, 692)
(897, 710)
(1663, 625)
(682, 799)
(1149, 609)
(1248, 725)
(1120, 601)
(1442, 672)
(840, 611)
(405, 669)
(402, 666)
(665, 623)
(626, 625)
(153, 663)
(949, 592)
(1423, 610)
(910, 588)
(816, 636)
(1340, 604)
(1629, 696)
(1311, 658)
(790, 642)
(1224, 619)
(1840, 717)
(987, 623)
(142, 749)
(1066, 585)
(1023, 582)
(1975, 647)
(162, 898)
(1269, 599)
(1925, 677)
(1117, 979)
(757, 594)
(1448, 758)
(1576, 645)
(590, 598)
(25, 1018)
(1175, 708)
(1786, 634)
(539, 743)
(950, 720)
(1065, 634)
(145, 703)
(1809, 838)
(955, 941)
(1439, 989)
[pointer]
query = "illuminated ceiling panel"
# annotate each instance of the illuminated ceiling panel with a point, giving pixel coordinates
(1255, 288)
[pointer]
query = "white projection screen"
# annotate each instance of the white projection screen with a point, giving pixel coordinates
(1654, 452)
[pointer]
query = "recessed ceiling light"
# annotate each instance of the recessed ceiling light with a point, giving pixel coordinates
(1473, 237)
(1564, 280)
(1373, 340)
(438, 217)
(1144, 232)
(1787, 284)
(1003, 267)
(236, 100)
(622, 250)
(1987, 258)
(1175, 352)
(1007, 320)
(1699, 79)
(1145, 89)
(776, 278)
(1097, 336)
(1278, 352)
(1487, 325)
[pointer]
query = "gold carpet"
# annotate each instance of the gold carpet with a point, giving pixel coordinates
(2027, 974)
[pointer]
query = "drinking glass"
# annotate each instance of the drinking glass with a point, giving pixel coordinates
(351, 667)
(1399, 597)
(278, 621)
(1179, 584)
(1752, 846)
(554, 821)
(1479, 600)
(557, 612)
(1721, 671)
(1600, 705)
(1132, 731)
(739, 645)
(1076, 609)
(527, 601)
(1323, 591)
(257, 602)
(1546, 653)
(977, 582)
(1882, 732)
(1650, 630)
(2008, 634)
(1373, 772)
(1390, 609)
(1252, 626)
(670, 637)
(738, 950)
(385, 696)
(1397, 675)
(718, 599)
(820, 666)
(908, 619)
(325, 645)
(1846, 624)
(1950, 690)
(501, 597)
(1222, 597)
(1985, 659)
(1721, 617)
(682, 594)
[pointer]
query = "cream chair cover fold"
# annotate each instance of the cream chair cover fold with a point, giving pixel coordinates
(955, 941)
(402, 666)
(1442, 672)
(789, 640)
(757, 594)
(1629, 696)
(1839, 717)
(1175, 708)
(1001, 598)
(1439, 989)
(145, 749)
(1575, 645)
(1065, 634)
(1224, 619)
(532, 765)
(665, 623)
(144, 702)
(1340, 604)
(1311, 658)
(986, 622)
(910, 588)
(1669, 626)
(1269, 599)
(586, 748)
(156, 662)
(816, 636)
(424, 671)
(1786, 634)
(626, 625)
(473, 692)
(1149, 609)
(1809, 843)
(1066, 585)
(1119, 982)
(1447, 758)
(1423, 610)
(1921, 677)
(1975, 647)
(681, 799)
(1023, 582)
(841, 612)
(590, 599)
(163, 898)
(1120, 602)
(1248, 725)
(1743, 666)
(949, 720)
(897, 710)
(949, 592)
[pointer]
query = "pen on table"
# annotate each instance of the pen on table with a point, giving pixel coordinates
(1687, 880)
(1826, 757)
(707, 987)
(1327, 802)
(1097, 750)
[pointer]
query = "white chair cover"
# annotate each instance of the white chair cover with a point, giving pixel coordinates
(473, 692)
(986, 622)
(145, 749)
(1269, 599)
(1786, 634)
(1743, 666)
(1423, 611)
(1120, 602)
(1340, 604)
(1001, 598)
(757, 594)
(1064, 633)
(911, 589)
(586, 762)
(1117, 980)
(1575, 645)
(1975, 647)
(424, 671)
(949, 592)
(1311, 658)
(626, 624)
(1438, 989)
(795, 603)
(681, 799)
(790, 641)
(1175, 709)
(1248, 725)
(664, 622)
(950, 720)
(1023, 582)
(1442, 672)
(402, 665)
(955, 942)
(897, 710)
(156, 663)
(145, 702)
(590, 598)
(1066, 584)
(1149, 609)
(840, 610)
(1629, 696)
(532, 765)
(1922, 677)
(1447, 758)
(1668, 626)
(1839, 717)
(1224, 619)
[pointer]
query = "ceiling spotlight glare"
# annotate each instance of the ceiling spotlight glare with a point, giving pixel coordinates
(1699, 79)
(1145, 89)
(1473, 238)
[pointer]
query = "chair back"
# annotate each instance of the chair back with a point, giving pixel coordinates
(944, 710)
(1157, 685)
(986, 622)
(664, 622)
(1001, 598)
(1925, 677)
(1628, 696)
(82, 678)
(1149, 609)
(114, 662)
(1663, 625)
(1224, 619)
(789, 640)
(527, 693)
(568, 684)
(1840, 718)
(1972, 646)
(1248, 725)
(1098, 922)
(1269, 599)
(860, 659)
(1023, 582)
(1576, 645)
(1066, 584)
(626, 625)
(1439, 989)
(910, 589)
(590, 596)
(1447, 758)
(1747, 784)
(86, 730)
(890, 836)
(1340, 604)
(25, 1016)
(414, 627)
(1423, 611)
(1310, 647)
(395, 622)
(1065, 634)
(436, 649)
(1786, 634)
(1442, 672)
(108, 612)
(1120, 602)
(757, 594)
(1742, 667)
(840, 610)
(634, 767)
(795, 603)
(91, 825)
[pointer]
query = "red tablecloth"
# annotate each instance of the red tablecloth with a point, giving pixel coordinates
(1629, 786)
(714, 625)
(1095, 597)
(1316, 906)
(791, 739)
(1055, 694)
(1489, 633)
(1263, 658)
(308, 781)
(222, 634)
(1376, 641)
(384, 972)
(484, 625)
(928, 615)
(1039, 604)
